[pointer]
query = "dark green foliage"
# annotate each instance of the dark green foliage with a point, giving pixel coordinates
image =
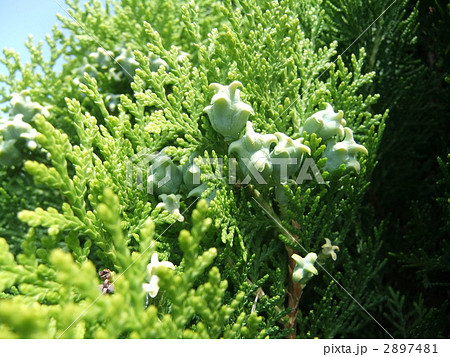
(409, 49)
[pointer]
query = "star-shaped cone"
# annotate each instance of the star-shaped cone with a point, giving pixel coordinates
(304, 268)
(329, 250)
(227, 113)
(326, 123)
(253, 149)
(171, 203)
(287, 148)
(344, 152)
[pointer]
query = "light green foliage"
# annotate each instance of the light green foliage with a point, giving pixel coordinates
(145, 93)
(43, 308)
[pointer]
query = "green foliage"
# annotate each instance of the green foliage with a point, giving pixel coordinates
(50, 293)
(320, 314)
(134, 93)
(408, 48)
(417, 322)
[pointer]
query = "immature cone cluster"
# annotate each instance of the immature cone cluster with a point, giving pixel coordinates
(165, 176)
(21, 103)
(258, 153)
(127, 62)
(124, 64)
(192, 179)
(329, 126)
(228, 116)
(168, 181)
(100, 61)
(119, 69)
(304, 267)
(263, 152)
(16, 134)
(13, 134)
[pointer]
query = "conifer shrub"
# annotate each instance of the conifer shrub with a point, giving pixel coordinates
(195, 169)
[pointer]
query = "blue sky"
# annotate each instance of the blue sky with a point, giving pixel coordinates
(19, 18)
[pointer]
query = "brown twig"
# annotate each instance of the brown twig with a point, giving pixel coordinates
(294, 294)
